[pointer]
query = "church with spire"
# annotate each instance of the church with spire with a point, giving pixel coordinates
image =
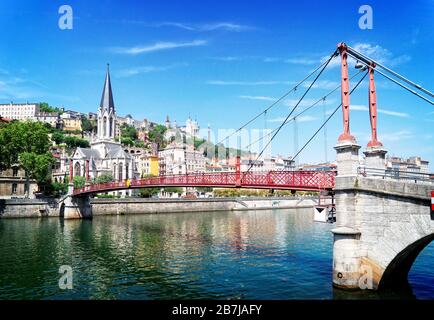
(105, 154)
(106, 127)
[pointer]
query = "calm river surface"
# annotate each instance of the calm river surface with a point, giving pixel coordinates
(280, 254)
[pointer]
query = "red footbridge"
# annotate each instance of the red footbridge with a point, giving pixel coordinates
(280, 180)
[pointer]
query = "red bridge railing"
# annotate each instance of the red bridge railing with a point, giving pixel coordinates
(289, 180)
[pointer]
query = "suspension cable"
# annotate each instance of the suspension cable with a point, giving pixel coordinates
(305, 110)
(356, 54)
(275, 102)
(293, 109)
(359, 55)
(323, 66)
(405, 87)
(331, 115)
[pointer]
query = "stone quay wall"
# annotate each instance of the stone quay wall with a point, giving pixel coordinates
(28, 208)
(39, 208)
(143, 206)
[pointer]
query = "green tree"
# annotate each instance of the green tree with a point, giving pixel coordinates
(75, 142)
(105, 178)
(156, 135)
(204, 189)
(148, 192)
(197, 142)
(128, 131)
(139, 144)
(87, 125)
(37, 166)
(56, 188)
(57, 137)
(173, 189)
(79, 182)
(45, 107)
(27, 144)
(127, 141)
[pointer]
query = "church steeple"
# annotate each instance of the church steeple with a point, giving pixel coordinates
(106, 112)
(107, 95)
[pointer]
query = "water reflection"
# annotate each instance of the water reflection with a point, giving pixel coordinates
(280, 254)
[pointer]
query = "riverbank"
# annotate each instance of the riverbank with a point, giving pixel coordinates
(40, 208)
(146, 206)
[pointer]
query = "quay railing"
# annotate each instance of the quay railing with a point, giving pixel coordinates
(388, 173)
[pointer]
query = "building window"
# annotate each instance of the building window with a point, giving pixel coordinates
(77, 170)
(120, 171)
(15, 171)
(14, 188)
(104, 126)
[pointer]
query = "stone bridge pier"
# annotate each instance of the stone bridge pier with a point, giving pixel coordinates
(75, 207)
(382, 223)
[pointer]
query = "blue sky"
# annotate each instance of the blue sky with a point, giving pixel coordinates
(221, 62)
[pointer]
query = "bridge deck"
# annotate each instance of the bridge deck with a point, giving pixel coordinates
(284, 180)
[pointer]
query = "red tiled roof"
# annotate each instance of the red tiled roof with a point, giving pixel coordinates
(4, 119)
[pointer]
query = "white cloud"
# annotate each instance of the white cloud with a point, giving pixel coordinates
(396, 136)
(245, 83)
(147, 69)
(394, 113)
(16, 88)
(299, 119)
(21, 89)
(272, 59)
(306, 118)
(335, 62)
(158, 46)
(356, 107)
(227, 59)
(225, 26)
(308, 102)
(375, 52)
(322, 84)
(228, 26)
(380, 54)
(279, 119)
(176, 25)
(261, 98)
(295, 60)
(301, 61)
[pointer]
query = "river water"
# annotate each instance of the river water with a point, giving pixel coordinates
(279, 254)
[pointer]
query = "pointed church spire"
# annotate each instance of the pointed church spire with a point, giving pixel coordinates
(107, 95)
